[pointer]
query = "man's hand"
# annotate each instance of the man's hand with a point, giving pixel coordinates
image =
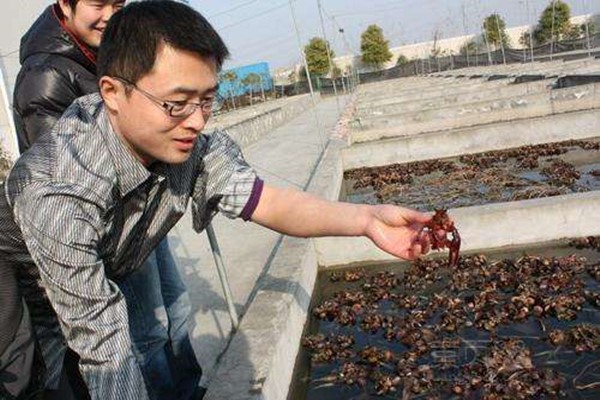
(398, 231)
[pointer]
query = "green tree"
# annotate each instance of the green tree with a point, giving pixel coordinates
(302, 75)
(316, 56)
(402, 59)
(232, 78)
(470, 47)
(554, 19)
(375, 50)
(436, 50)
(337, 72)
(525, 39)
(251, 81)
(494, 27)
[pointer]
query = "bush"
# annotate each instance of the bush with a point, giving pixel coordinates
(402, 59)
(4, 164)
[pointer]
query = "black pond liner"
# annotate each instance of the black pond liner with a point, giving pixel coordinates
(528, 78)
(497, 77)
(440, 190)
(575, 80)
(317, 381)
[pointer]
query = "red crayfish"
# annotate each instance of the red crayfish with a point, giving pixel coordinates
(442, 222)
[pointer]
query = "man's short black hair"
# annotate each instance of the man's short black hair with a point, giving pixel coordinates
(133, 35)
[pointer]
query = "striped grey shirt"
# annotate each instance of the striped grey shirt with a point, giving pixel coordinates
(81, 212)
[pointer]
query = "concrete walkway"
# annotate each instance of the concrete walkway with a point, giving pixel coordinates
(283, 158)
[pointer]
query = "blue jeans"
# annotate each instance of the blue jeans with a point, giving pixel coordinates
(159, 308)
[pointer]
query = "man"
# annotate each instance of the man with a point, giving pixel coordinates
(58, 57)
(89, 201)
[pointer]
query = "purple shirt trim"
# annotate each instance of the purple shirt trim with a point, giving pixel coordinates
(253, 200)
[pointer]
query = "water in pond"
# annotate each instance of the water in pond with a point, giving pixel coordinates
(517, 324)
(516, 174)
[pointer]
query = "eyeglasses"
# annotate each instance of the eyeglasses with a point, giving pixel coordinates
(179, 109)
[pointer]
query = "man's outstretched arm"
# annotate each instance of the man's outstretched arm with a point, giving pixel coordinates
(396, 230)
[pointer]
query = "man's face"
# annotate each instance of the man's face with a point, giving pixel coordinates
(147, 128)
(89, 18)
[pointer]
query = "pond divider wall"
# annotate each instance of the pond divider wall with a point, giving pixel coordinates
(491, 226)
(451, 98)
(478, 139)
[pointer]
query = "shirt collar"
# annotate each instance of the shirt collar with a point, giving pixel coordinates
(131, 173)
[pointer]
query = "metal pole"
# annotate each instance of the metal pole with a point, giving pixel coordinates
(355, 72)
(310, 86)
(552, 31)
(333, 78)
(487, 45)
(485, 37)
(587, 29)
(501, 38)
(465, 24)
(530, 29)
(214, 246)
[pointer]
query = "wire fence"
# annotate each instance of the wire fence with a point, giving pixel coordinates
(564, 50)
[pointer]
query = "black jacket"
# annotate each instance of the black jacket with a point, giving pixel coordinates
(54, 72)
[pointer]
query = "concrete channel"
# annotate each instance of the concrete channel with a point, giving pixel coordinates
(260, 357)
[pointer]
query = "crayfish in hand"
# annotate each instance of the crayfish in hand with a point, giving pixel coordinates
(442, 222)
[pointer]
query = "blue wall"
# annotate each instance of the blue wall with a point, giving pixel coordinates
(237, 88)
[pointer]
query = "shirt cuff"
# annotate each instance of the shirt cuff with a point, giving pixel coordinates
(252, 203)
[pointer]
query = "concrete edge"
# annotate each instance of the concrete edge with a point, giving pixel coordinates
(260, 360)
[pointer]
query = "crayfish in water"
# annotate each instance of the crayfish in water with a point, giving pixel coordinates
(442, 222)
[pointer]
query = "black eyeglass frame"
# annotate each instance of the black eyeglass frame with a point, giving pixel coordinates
(178, 109)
